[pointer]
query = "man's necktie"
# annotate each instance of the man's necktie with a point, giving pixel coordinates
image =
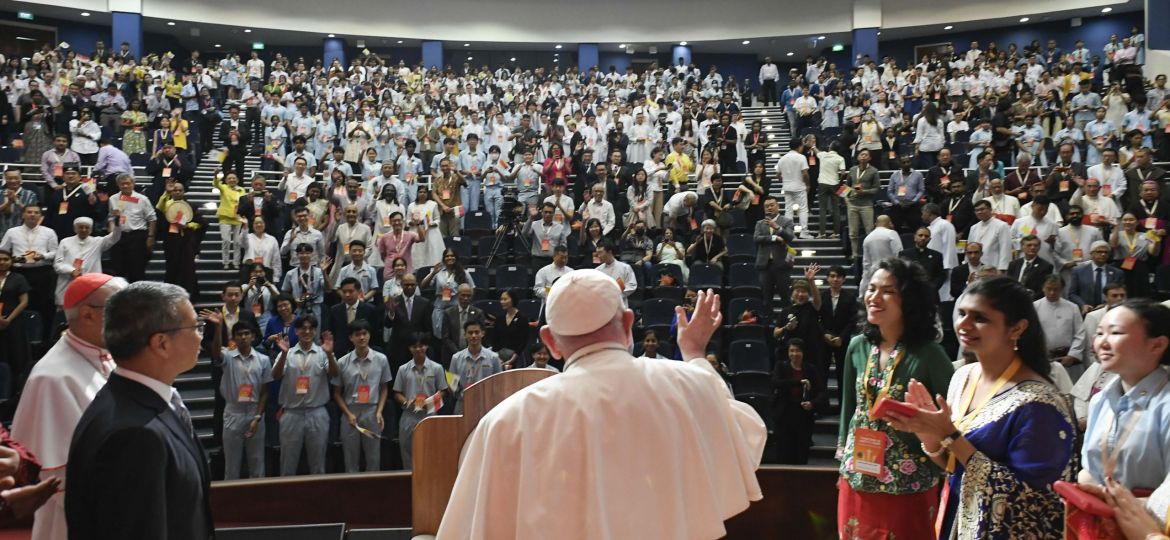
(1099, 286)
(182, 412)
(350, 313)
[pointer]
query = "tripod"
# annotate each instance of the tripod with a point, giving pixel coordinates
(510, 227)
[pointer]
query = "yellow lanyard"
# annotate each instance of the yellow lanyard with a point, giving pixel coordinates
(969, 395)
(896, 357)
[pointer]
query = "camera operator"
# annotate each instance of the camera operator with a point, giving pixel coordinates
(527, 175)
(617, 140)
(523, 136)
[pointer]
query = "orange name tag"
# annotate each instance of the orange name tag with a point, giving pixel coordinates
(130, 199)
(385, 221)
(245, 393)
(1151, 223)
(694, 224)
(527, 182)
(231, 345)
(257, 309)
(78, 262)
(1128, 263)
(944, 181)
(173, 229)
(345, 247)
(409, 176)
(292, 197)
(901, 191)
(446, 194)
(1107, 190)
(474, 169)
(1091, 219)
(869, 451)
(558, 217)
(256, 211)
(1078, 253)
(893, 154)
(545, 244)
(621, 284)
(812, 161)
(166, 172)
(121, 220)
(420, 401)
(63, 208)
(302, 385)
(447, 294)
(1064, 185)
(58, 170)
(363, 393)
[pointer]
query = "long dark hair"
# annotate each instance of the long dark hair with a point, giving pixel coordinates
(456, 269)
(1009, 297)
(919, 303)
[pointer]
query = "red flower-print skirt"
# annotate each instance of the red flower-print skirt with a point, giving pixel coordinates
(881, 516)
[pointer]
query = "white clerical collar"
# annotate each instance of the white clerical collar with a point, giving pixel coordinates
(162, 389)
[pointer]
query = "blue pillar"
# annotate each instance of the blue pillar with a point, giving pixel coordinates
(127, 28)
(334, 49)
(865, 42)
(1157, 35)
(587, 57)
(432, 54)
(680, 51)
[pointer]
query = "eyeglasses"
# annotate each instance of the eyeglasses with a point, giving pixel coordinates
(198, 327)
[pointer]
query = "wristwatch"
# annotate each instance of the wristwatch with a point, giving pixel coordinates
(947, 441)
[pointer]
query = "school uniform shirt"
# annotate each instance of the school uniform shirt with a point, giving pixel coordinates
(468, 369)
(296, 236)
(305, 383)
(413, 380)
(243, 376)
(361, 377)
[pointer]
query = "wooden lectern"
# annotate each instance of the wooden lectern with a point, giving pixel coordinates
(438, 442)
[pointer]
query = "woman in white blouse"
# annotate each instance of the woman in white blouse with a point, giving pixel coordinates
(261, 247)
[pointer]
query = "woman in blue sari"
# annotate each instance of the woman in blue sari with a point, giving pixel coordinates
(1010, 434)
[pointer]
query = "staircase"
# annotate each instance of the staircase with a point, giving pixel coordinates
(196, 386)
(825, 252)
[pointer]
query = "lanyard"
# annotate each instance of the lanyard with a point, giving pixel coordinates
(1130, 241)
(1110, 453)
(896, 357)
(969, 395)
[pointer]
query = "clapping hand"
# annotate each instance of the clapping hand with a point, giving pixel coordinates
(933, 421)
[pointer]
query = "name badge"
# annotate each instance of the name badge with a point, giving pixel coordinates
(302, 385)
(545, 244)
(245, 394)
(257, 309)
(363, 393)
(901, 191)
(1129, 263)
(166, 172)
(869, 451)
(447, 294)
(1151, 223)
(1078, 253)
(63, 208)
(58, 170)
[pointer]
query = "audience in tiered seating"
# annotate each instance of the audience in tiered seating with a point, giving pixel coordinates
(448, 200)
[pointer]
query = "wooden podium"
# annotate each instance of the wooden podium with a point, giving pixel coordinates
(438, 442)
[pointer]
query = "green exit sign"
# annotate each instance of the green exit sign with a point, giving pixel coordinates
(837, 47)
(257, 45)
(24, 15)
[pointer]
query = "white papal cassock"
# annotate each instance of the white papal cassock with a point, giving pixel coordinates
(613, 448)
(60, 387)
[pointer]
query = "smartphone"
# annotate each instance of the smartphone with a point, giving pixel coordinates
(886, 406)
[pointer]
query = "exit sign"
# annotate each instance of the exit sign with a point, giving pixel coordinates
(257, 45)
(24, 15)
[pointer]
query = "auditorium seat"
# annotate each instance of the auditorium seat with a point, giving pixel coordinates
(513, 277)
(744, 280)
(751, 383)
(737, 306)
(747, 355)
(741, 248)
(658, 311)
(705, 276)
(461, 246)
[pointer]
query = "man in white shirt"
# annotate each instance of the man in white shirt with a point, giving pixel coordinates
(792, 169)
(829, 176)
(994, 235)
(598, 207)
(942, 240)
(1062, 321)
(1101, 209)
(545, 277)
(1039, 225)
(60, 387)
(882, 243)
(1073, 242)
(82, 253)
(296, 183)
(769, 76)
(33, 247)
(302, 233)
(1003, 206)
(1110, 174)
(618, 270)
(693, 418)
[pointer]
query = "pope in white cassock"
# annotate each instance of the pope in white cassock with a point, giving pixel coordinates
(61, 386)
(615, 447)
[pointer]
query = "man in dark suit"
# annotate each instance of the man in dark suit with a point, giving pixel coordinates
(236, 135)
(839, 312)
(961, 275)
(454, 317)
(136, 469)
(1061, 181)
(168, 165)
(1030, 270)
(1087, 286)
(929, 259)
(939, 178)
(270, 207)
(959, 209)
(772, 235)
(351, 308)
(405, 315)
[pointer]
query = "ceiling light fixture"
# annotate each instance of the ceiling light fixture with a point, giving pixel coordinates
(790, 53)
(948, 27)
(622, 46)
(1106, 10)
(85, 14)
(400, 42)
(746, 41)
(466, 44)
(558, 46)
(513, 59)
(217, 45)
(683, 43)
(1024, 19)
(247, 30)
(170, 23)
(820, 37)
